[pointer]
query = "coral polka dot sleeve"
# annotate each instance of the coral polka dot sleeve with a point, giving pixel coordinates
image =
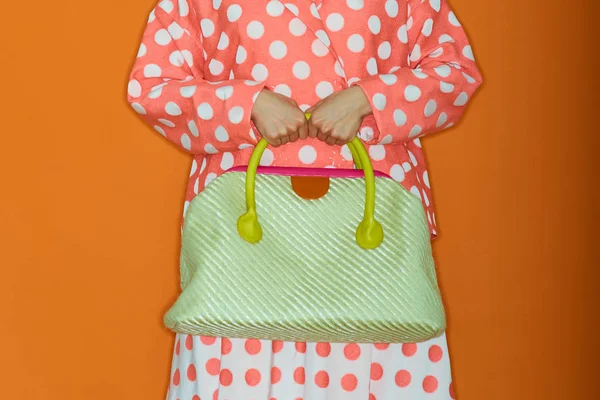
(429, 94)
(190, 102)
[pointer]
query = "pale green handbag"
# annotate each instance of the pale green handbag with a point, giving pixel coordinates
(306, 272)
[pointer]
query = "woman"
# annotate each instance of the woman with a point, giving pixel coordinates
(215, 76)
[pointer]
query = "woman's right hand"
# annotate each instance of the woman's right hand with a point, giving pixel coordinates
(278, 118)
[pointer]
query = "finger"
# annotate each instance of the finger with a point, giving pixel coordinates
(285, 140)
(330, 140)
(294, 136)
(275, 142)
(322, 135)
(340, 142)
(313, 131)
(303, 131)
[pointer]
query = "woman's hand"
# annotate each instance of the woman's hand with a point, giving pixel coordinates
(336, 119)
(278, 118)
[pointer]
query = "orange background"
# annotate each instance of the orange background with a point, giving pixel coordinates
(92, 198)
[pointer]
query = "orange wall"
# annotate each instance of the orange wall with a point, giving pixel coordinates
(91, 200)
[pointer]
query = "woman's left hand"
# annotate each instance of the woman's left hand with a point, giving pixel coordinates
(337, 118)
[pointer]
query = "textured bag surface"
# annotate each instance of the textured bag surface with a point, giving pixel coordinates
(305, 277)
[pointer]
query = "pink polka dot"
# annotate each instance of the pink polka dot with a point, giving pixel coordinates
(323, 349)
(349, 382)
(409, 349)
(430, 384)
(253, 347)
(451, 390)
(275, 375)
(382, 346)
(216, 395)
(178, 347)
(301, 347)
(176, 377)
(435, 353)
(213, 366)
(225, 346)
(322, 379)
(277, 346)
(253, 377)
(191, 372)
(189, 342)
(376, 371)
(372, 396)
(208, 340)
(352, 351)
(403, 378)
(196, 397)
(299, 375)
(226, 377)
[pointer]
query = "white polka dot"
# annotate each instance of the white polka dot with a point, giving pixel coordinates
(355, 4)
(217, 4)
(415, 190)
(356, 43)
(412, 93)
(314, 11)
(186, 204)
(172, 108)
(372, 66)
(346, 153)
(446, 87)
(468, 53)
(151, 17)
(386, 140)
(194, 167)
(187, 91)
(426, 179)
(366, 133)
(391, 8)
(221, 134)
(156, 91)
(184, 8)
(223, 41)
(275, 8)
(409, 23)
(142, 50)
(301, 70)
(335, 22)
(193, 128)
(379, 101)
(374, 24)
(297, 27)
(186, 142)
(322, 35)
(227, 161)
(152, 71)
(203, 166)
(415, 54)
(176, 58)
(397, 173)
(234, 12)
(419, 73)
(244, 146)
(205, 111)
(255, 30)
(215, 67)
(388, 79)
(209, 178)
(278, 49)
(443, 118)
(443, 71)
(236, 114)
(283, 89)
(175, 31)
(469, 79)
(399, 117)
(435, 4)
(430, 108)
(267, 158)
(319, 49)
(162, 37)
(134, 88)
(324, 89)
(403, 34)
(260, 72)
(166, 5)
(415, 131)
(462, 99)
(436, 53)
(138, 108)
(445, 38)
(377, 152)
(385, 50)
(452, 18)
(406, 166)
(207, 27)
(210, 149)
(240, 55)
(224, 92)
(197, 185)
(338, 69)
(426, 202)
(427, 27)
(307, 154)
(293, 9)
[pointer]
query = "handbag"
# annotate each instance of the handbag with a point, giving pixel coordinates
(263, 258)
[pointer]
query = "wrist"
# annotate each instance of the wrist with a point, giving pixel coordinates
(362, 102)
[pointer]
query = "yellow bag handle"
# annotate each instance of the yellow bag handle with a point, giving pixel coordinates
(369, 233)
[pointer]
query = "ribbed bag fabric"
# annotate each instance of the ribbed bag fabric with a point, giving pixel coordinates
(307, 279)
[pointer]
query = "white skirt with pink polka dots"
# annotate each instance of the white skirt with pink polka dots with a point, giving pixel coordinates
(206, 368)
